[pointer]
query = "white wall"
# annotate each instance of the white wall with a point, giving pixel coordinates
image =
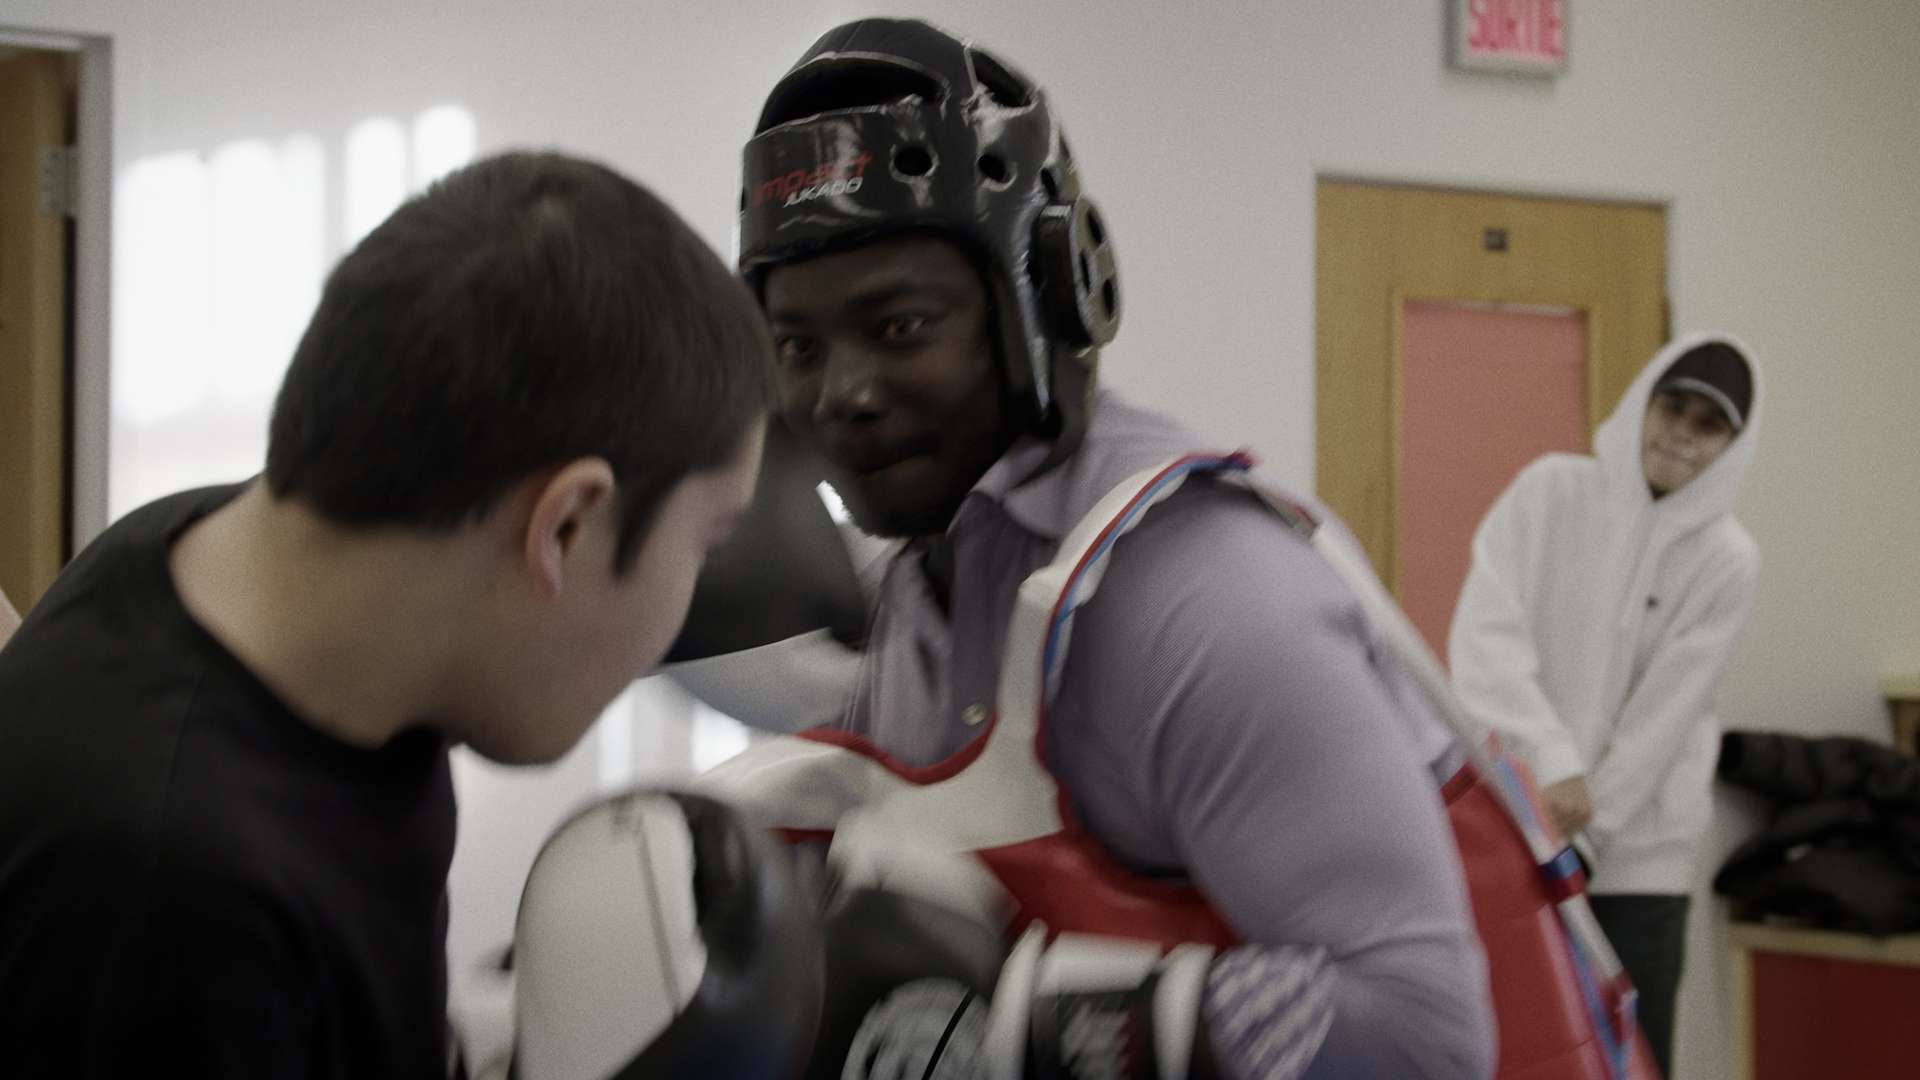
(1782, 135)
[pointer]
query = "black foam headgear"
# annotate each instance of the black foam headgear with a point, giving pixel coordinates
(888, 126)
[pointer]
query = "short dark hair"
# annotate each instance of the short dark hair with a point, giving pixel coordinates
(525, 311)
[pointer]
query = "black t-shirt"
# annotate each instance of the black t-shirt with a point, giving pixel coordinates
(192, 880)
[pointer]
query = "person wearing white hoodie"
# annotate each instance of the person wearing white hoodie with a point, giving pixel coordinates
(1606, 596)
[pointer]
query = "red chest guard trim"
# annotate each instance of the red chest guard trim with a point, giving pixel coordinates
(1065, 880)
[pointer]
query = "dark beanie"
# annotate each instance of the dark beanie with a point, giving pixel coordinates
(1717, 372)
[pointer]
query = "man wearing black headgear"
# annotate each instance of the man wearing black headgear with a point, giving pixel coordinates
(939, 283)
(1606, 597)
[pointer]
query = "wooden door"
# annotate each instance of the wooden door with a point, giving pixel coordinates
(1488, 285)
(36, 115)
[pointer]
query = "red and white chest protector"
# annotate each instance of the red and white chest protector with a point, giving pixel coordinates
(1564, 1005)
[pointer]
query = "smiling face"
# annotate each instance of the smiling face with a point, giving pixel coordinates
(886, 363)
(1683, 434)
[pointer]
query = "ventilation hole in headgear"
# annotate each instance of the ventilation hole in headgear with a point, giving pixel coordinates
(1086, 272)
(912, 161)
(995, 168)
(847, 83)
(1094, 232)
(1000, 83)
(1110, 296)
(1050, 179)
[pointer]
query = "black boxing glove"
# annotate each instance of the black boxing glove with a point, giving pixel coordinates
(928, 1029)
(662, 936)
(900, 971)
(785, 572)
(1113, 1009)
(773, 635)
(1087, 1008)
(921, 987)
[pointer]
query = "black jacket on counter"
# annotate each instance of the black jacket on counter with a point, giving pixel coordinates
(1842, 850)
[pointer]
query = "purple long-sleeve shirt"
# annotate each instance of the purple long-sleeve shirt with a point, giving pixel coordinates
(1227, 714)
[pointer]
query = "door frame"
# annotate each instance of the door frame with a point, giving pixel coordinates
(91, 403)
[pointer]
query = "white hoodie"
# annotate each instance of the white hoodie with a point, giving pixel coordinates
(1595, 623)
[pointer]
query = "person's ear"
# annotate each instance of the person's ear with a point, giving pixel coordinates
(563, 508)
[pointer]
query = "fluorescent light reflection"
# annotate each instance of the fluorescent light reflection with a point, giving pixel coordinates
(376, 175)
(443, 139)
(163, 286)
(220, 260)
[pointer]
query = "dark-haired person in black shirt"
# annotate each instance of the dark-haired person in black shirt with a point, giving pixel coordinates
(526, 407)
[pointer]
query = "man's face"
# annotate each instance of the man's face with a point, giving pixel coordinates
(1683, 434)
(886, 363)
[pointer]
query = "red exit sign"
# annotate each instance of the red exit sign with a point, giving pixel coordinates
(1527, 37)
